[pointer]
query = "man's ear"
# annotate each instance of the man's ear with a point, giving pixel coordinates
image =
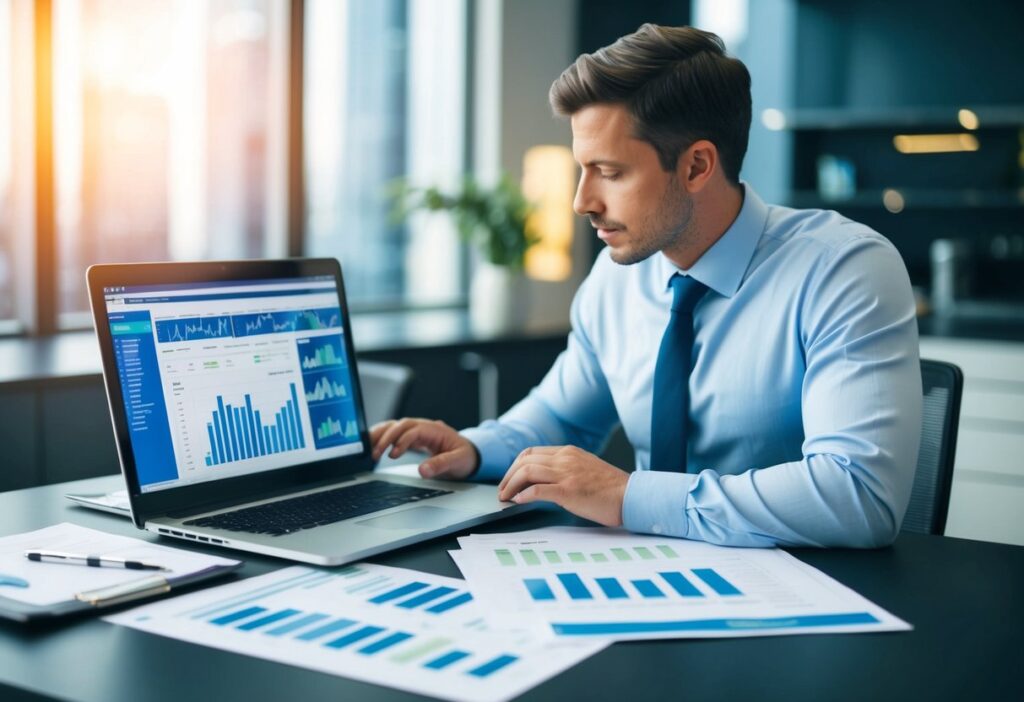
(697, 165)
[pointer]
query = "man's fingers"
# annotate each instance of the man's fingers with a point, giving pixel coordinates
(530, 473)
(391, 434)
(406, 441)
(541, 492)
(456, 463)
(378, 429)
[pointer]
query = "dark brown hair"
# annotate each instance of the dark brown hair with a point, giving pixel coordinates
(678, 85)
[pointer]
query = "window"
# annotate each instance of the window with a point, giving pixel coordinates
(16, 160)
(169, 126)
(384, 97)
(176, 136)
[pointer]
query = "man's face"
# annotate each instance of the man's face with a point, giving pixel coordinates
(636, 206)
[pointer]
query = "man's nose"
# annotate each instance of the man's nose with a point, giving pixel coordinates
(585, 201)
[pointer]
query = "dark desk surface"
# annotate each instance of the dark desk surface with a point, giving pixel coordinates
(964, 598)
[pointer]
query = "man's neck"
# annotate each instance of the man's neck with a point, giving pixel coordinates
(713, 214)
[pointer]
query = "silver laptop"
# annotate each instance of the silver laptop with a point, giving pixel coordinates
(239, 419)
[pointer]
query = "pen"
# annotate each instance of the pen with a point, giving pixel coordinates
(90, 560)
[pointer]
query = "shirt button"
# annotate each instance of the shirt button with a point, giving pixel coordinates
(656, 528)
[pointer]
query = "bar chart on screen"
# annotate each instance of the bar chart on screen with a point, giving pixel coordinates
(241, 429)
(389, 626)
(610, 583)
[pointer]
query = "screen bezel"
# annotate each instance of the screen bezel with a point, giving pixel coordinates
(185, 499)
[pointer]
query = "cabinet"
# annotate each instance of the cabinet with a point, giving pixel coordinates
(987, 499)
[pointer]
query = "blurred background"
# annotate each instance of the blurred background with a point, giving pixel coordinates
(150, 130)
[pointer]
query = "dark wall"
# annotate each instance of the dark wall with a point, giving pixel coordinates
(882, 54)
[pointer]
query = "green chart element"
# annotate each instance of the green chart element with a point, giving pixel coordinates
(599, 557)
(421, 650)
(577, 557)
(552, 556)
(529, 557)
(667, 550)
(644, 553)
(622, 554)
(505, 557)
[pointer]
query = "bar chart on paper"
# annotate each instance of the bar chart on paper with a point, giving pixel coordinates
(604, 583)
(384, 625)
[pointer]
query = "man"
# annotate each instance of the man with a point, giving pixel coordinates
(763, 361)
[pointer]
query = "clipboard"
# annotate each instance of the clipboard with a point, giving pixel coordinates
(65, 590)
(145, 588)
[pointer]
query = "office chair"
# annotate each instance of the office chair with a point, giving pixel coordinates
(929, 499)
(385, 388)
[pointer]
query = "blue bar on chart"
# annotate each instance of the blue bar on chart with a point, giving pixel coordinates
(428, 596)
(296, 624)
(398, 592)
(235, 616)
(387, 642)
(238, 433)
(574, 586)
(611, 588)
(647, 588)
(442, 607)
(329, 628)
(357, 635)
(716, 582)
(679, 583)
(539, 589)
(269, 619)
(446, 660)
(493, 666)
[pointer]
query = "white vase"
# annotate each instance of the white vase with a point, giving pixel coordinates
(497, 299)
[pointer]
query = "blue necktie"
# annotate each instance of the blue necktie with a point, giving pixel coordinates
(671, 411)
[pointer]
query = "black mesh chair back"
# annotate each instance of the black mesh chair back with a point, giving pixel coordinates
(385, 387)
(929, 500)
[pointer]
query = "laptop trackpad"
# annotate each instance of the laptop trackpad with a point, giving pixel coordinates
(424, 518)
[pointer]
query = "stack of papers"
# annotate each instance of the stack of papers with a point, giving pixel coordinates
(613, 585)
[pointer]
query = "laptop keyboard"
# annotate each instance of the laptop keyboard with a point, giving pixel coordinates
(317, 509)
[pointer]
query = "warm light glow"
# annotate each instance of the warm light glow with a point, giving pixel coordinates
(773, 119)
(968, 120)
(934, 143)
(549, 174)
(893, 200)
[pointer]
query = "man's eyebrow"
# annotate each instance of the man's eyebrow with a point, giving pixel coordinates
(604, 162)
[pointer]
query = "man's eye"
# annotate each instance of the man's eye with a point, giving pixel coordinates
(611, 175)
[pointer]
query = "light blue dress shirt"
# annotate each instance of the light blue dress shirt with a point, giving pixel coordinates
(805, 394)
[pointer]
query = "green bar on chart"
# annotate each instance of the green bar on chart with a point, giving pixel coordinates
(421, 650)
(552, 556)
(577, 557)
(622, 554)
(599, 558)
(644, 553)
(667, 550)
(529, 556)
(505, 557)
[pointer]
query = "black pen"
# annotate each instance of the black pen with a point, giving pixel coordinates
(94, 561)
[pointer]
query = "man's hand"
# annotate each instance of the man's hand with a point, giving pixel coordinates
(453, 457)
(568, 476)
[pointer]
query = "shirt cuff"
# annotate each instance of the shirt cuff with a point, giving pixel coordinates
(494, 454)
(655, 502)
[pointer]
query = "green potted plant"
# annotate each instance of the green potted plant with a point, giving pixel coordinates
(496, 221)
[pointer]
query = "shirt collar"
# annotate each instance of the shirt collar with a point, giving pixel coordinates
(723, 266)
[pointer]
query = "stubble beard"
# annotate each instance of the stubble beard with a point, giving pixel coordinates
(665, 228)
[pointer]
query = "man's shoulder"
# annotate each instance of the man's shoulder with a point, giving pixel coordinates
(821, 234)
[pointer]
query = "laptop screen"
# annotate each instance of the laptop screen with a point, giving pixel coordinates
(225, 379)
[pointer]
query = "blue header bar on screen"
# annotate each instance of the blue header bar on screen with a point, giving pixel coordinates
(215, 284)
